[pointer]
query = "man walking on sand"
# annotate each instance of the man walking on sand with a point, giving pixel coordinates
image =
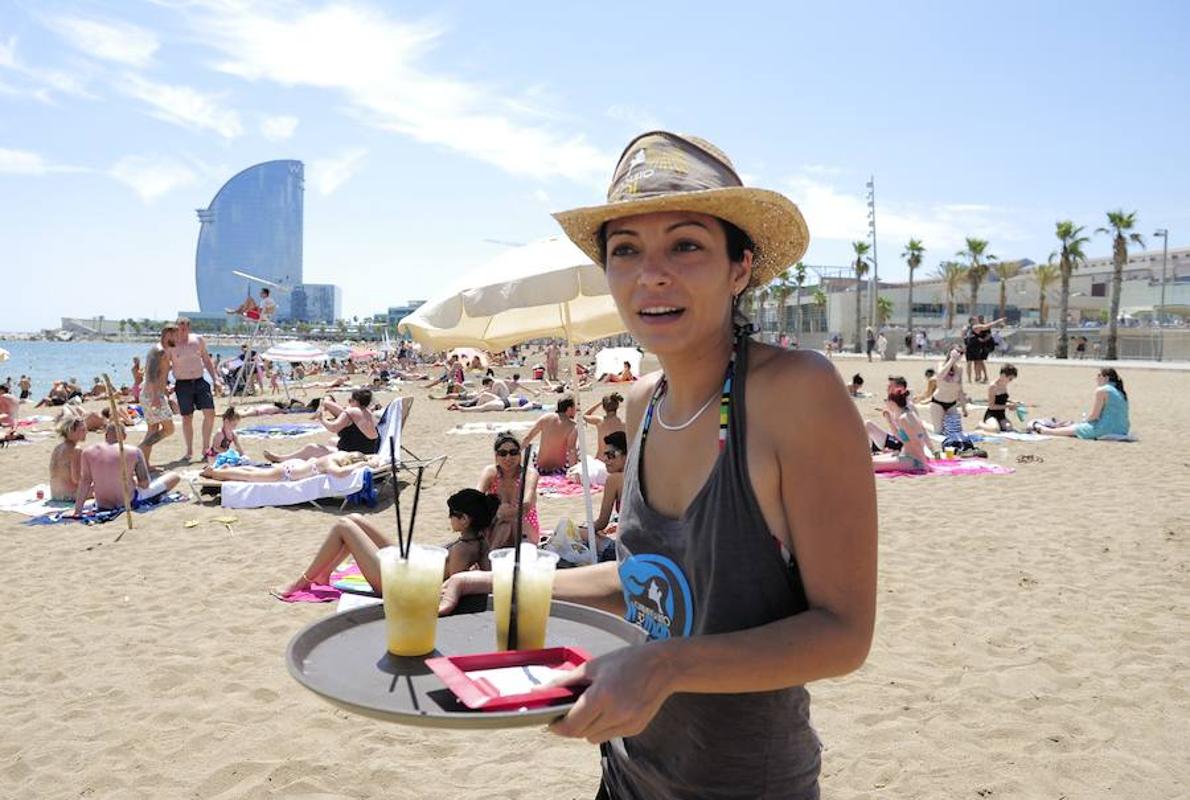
(559, 437)
(100, 471)
(552, 354)
(192, 391)
(155, 392)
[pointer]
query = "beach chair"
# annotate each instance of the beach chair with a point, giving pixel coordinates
(392, 422)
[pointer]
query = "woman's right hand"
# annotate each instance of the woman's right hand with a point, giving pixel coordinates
(462, 583)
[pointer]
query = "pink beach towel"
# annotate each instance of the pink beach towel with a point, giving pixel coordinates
(561, 486)
(321, 593)
(958, 466)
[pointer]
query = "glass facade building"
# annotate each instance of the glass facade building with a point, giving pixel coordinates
(254, 225)
(317, 302)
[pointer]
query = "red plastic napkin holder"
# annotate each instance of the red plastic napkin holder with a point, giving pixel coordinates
(479, 694)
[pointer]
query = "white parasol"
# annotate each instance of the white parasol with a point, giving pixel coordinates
(294, 352)
(544, 289)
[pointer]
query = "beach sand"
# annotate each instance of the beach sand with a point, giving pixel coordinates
(1031, 639)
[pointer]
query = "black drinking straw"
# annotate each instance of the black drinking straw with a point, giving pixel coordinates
(516, 555)
(413, 517)
(392, 459)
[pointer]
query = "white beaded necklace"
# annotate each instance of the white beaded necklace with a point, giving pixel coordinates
(688, 422)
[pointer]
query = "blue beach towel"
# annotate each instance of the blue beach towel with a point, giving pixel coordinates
(278, 429)
(94, 516)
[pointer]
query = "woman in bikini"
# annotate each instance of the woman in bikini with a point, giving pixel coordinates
(226, 438)
(610, 422)
(995, 419)
(355, 424)
(915, 452)
(470, 513)
(338, 465)
(503, 479)
(747, 535)
(948, 397)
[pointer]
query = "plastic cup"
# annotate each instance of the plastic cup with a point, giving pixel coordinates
(535, 587)
(948, 452)
(411, 588)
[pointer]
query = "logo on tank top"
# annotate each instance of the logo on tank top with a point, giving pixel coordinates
(657, 595)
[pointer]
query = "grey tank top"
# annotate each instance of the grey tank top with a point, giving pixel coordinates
(715, 570)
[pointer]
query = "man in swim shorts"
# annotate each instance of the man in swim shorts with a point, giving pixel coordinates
(154, 394)
(190, 358)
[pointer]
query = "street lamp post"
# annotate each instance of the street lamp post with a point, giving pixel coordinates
(875, 264)
(1164, 234)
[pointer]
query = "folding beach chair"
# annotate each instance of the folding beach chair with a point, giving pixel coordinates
(392, 423)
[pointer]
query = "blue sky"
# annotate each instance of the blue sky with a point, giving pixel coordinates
(429, 128)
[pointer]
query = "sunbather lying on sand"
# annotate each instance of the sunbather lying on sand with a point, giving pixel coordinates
(338, 464)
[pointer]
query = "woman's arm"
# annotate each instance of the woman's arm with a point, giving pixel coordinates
(485, 479)
(338, 423)
(1097, 405)
(85, 485)
(531, 489)
(597, 586)
(607, 505)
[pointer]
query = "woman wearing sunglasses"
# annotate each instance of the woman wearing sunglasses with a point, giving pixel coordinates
(503, 479)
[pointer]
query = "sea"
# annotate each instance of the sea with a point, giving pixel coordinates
(45, 362)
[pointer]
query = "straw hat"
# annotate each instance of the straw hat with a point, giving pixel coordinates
(663, 171)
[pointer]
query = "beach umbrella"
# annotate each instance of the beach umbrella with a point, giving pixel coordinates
(338, 351)
(295, 352)
(545, 289)
(362, 353)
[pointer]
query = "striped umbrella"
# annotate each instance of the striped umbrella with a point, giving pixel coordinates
(294, 352)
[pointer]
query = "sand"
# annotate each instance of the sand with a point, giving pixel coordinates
(1031, 639)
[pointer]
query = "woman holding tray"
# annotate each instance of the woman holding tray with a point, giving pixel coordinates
(747, 545)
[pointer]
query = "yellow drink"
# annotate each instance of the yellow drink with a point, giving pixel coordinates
(535, 588)
(411, 589)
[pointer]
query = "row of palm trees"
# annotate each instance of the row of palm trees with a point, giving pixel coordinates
(974, 265)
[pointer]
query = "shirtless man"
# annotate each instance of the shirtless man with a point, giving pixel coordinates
(158, 414)
(101, 474)
(190, 358)
(9, 408)
(552, 355)
(66, 460)
(26, 387)
(516, 387)
(559, 436)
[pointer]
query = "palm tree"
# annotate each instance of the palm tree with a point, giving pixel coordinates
(914, 252)
(799, 280)
(782, 287)
(1070, 258)
(1119, 224)
(820, 304)
(1005, 270)
(977, 267)
(861, 265)
(952, 274)
(762, 294)
(1045, 275)
(884, 309)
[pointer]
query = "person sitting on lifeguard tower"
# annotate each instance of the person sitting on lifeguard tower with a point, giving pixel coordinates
(252, 310)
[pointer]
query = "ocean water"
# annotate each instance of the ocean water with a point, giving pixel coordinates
(45, 362)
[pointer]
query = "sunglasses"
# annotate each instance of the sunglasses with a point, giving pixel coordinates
(508, 453)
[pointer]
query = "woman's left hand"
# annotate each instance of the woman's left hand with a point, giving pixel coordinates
(627, 687)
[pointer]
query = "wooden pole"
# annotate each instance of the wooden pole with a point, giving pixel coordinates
(125, 482)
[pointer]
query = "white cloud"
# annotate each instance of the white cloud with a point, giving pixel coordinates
(373, 60)
(278, 128)
(328, 174)
(110, 41)
(824, 170)
(837, 215)
(21, 162)
(542, 197)
(183, 105)
(152, 176)
(37, 82)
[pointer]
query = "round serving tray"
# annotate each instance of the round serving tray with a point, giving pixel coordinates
(343, 659)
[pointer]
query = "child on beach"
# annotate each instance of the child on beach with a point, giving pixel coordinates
(226, 438)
